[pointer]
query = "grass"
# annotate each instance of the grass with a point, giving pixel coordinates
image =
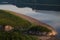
(8, 19)
(18, 23)
(39, 28)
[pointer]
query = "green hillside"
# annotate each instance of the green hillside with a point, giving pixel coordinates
(8, 19)
(20, 25)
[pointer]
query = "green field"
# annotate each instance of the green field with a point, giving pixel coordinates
(19, 25)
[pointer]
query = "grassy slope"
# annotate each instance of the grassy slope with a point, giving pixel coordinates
(9, 19)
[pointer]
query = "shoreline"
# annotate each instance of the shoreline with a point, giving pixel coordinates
(35, 21)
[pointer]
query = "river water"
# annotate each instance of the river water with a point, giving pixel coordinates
(49, 17)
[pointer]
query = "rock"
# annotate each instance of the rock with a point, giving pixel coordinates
(8, 28)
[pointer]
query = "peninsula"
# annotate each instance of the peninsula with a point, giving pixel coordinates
(16, 26)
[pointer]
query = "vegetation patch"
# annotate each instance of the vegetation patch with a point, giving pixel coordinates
(9, 19)
(19, 26)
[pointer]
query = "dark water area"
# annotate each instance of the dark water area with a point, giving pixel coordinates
(41, 7)
(35, 4)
